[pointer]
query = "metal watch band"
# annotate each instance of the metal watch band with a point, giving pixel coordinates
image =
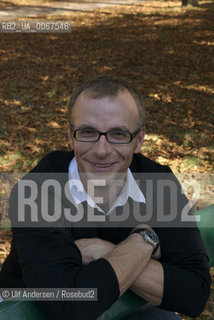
(155, 246)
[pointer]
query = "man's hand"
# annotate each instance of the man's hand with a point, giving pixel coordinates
(93, 248)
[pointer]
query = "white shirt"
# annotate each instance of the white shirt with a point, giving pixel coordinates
(130, 189)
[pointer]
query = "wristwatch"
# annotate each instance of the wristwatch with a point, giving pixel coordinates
(149, 237)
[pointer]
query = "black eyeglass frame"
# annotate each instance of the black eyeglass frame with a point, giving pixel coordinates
(102, 133)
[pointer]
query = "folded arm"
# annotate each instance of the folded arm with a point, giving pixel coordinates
(181, 284)
(148, 284)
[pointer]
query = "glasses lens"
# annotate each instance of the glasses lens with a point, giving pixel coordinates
(119, 136)
(87, 135)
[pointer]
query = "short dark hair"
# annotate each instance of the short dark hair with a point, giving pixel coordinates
(104, 86)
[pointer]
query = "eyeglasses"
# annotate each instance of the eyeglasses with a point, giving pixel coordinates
(112, 136)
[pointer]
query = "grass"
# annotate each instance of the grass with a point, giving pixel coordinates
(191, 162)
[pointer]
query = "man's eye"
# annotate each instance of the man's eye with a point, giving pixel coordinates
(87, 133)
(118, 134)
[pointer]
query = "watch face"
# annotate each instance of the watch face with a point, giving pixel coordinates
(150, 237)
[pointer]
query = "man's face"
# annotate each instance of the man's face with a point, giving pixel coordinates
(101, 159)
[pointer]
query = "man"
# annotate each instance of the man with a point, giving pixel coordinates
(167, 267)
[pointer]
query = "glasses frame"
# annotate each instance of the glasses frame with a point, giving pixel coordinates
(104, 133)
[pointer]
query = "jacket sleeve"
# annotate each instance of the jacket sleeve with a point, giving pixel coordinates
(184, 258)
(49, 258)
(186, 272)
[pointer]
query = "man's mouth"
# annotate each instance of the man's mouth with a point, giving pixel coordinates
(102, 165)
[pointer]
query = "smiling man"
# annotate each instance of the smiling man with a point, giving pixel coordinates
(168, 267)
(104, 133)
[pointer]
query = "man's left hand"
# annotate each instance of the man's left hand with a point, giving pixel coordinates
(93, 248)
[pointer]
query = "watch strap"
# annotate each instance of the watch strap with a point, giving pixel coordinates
(139, 230)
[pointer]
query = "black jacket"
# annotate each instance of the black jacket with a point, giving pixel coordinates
(48, 257)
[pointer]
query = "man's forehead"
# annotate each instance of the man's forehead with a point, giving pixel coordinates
(115, 110)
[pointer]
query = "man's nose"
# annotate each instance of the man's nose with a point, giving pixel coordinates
(102, 147)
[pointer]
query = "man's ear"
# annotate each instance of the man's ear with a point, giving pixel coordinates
(140, 139)
(70, 139)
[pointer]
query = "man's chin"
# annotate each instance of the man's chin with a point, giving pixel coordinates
(105, 178)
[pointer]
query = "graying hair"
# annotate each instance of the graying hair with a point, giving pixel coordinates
(108, 86)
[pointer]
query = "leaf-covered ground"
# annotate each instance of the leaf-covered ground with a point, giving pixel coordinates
(165, 50)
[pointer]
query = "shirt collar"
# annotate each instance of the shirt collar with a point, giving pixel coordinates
(130, 189)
